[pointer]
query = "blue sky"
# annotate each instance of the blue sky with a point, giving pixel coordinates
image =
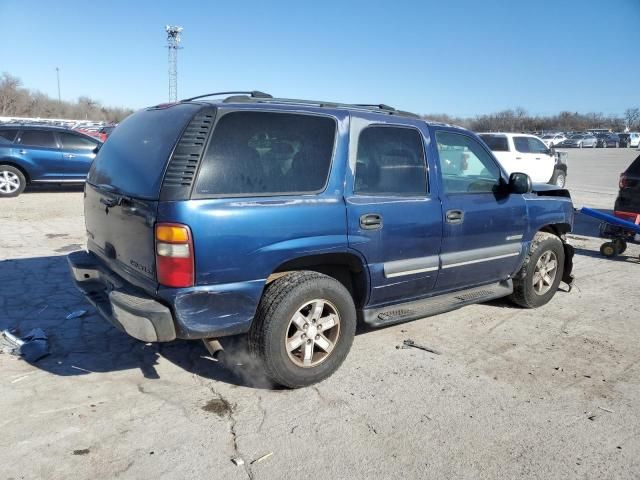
(461, 57)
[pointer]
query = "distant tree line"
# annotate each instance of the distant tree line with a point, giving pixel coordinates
(519, 120)
(17, 101)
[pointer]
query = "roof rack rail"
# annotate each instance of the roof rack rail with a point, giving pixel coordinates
(252, 93)
(378, 107)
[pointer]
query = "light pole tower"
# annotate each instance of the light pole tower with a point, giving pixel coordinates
(58, 77)
(173, 44)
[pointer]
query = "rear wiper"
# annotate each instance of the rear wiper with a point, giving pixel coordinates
(119, 196)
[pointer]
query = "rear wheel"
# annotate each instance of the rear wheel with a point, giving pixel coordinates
(604, 144)
(537, 281)
(303, 329)
(12, 181)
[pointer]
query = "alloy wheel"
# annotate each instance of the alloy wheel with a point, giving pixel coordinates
(312, 333)
(545, 272)
(9, 182)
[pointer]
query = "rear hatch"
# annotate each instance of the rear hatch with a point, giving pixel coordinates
(123, 190)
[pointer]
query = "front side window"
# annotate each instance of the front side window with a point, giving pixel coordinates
(76, 142)
(390, 161)
(38, 138)
(536, 146)
(261, 153)
(465, 165)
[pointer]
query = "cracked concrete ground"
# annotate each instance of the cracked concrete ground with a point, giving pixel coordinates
(550, 393)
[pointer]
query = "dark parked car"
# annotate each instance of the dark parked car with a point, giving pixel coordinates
(40, 154)
(627, 204)
(608, 140)
(289, 221)
(625, 139)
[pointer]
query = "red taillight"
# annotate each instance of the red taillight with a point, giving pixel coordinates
(174, 255)
(628, 216)
(623, 181)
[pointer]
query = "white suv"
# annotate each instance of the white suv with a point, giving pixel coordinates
(519, 152)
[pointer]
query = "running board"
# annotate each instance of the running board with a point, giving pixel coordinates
(404, 312)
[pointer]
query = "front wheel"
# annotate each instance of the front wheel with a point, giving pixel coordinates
(12, 181)
(303, 329)
(559, 179)
(537, 281)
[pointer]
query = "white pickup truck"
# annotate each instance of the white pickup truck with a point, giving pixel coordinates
(520, 152)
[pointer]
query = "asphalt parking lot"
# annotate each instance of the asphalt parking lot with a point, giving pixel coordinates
(548, 393)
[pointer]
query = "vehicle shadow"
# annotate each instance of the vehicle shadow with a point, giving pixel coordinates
(39, 293)
(47, 188)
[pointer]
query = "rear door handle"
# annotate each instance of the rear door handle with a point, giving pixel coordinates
(69, 155)
(454, 216)
(371, 221)
(22, 152)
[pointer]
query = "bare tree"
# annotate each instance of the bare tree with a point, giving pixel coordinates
(631, 117)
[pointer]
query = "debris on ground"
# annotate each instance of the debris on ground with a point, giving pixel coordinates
(606, 410)
(408, 343)
(238, 461)
(263, 457)
(76, 314)
(32, 347)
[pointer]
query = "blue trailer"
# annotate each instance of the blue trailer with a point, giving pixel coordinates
(619, 231)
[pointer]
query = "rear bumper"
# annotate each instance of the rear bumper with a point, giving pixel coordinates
(128, 309)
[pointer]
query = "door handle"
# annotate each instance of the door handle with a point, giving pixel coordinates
(69, 155)
(454, 216)
(371, 221)
(518, 158)
(22, 152)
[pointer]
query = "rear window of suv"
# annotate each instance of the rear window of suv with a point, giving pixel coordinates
(266, 153)
(133, 160)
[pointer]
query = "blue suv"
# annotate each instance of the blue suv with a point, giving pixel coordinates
(32, 154)
(290, 221)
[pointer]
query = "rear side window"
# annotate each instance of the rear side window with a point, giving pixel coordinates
(521, 144)
(497, 143)
(76, 142)
(266, 153)
(38, 138)
(8, 134)
(134, 159)
(390, 161)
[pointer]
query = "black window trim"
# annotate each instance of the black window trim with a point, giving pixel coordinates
(501, 179)
(221, 114)
(427, 194)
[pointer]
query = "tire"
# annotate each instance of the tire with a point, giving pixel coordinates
(525, 293)
(12, 181)
(604, 144)
(559, 178)
(620, 245)
(608, 249)
(288, 298)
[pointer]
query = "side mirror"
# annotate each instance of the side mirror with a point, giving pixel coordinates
(97, 149)
(520, 183)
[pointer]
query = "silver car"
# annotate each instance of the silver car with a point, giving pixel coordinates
(579, 140)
